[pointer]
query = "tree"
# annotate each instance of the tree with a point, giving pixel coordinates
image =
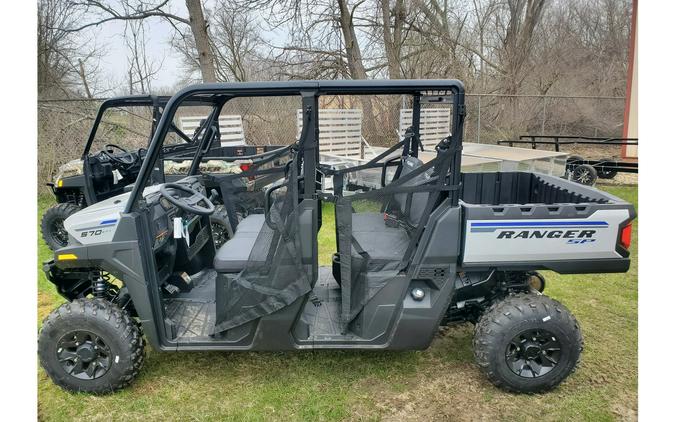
(393, 35)
(98, 13)
(65, 62)
(201, 37)
(141, 70)
(235, 41)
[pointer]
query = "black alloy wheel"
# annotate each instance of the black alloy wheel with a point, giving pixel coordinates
(84, 355)
(533, 353)
(58, 232)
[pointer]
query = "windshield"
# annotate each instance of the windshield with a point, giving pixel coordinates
(129, 127)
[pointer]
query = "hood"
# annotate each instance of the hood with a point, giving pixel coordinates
(98, 222)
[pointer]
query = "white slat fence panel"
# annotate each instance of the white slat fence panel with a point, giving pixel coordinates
(434, 125)
(339, 131)
(231, 128)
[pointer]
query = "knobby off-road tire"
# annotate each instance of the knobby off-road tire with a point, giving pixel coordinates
(512, 330)
(88, 331)
(53, 232)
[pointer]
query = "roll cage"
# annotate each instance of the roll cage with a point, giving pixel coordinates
(158, 103)
(217, 94)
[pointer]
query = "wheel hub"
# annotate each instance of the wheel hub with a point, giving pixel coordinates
(86, 352)
(83, 355)
(533, 353)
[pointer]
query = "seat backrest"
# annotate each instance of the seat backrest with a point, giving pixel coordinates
(418, 200)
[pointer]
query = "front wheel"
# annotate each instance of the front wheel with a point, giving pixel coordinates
(91, 345)
(527, 343)
(53, 230)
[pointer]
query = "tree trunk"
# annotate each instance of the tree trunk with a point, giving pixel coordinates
(83, 76)
(199, 31)
(354, 59)
(356, 69)
(392, 38)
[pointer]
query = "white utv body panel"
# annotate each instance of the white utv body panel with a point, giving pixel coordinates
(97, 223)
(532, 240)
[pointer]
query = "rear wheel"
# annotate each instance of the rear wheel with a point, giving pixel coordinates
(91, 346)
(527, 343)
(53, 231)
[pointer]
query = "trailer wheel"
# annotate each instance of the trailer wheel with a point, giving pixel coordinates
(604, 173)
(51, 226)
(91, 345)
(584, 174)
(571, 163)
(527, 343)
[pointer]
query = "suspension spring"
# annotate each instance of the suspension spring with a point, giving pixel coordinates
(99, 285)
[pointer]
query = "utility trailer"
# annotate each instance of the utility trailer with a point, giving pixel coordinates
(578, 168)
(430, 247)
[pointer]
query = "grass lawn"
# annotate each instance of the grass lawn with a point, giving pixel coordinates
(439, 383)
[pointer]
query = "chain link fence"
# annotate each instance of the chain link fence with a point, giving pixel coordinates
(64, 125)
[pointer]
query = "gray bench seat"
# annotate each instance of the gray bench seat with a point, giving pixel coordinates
(234, 254)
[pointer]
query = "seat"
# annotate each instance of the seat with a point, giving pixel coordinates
(386, 244)
(383, 246)
(233, 255)
(374, 222)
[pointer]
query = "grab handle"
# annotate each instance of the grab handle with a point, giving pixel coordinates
(268, 203)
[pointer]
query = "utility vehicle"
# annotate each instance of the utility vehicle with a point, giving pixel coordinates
(100, 175)
(432, 246)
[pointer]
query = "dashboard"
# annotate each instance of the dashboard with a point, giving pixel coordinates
(162, 214)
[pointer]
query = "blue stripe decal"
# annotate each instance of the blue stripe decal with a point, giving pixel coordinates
(543, 224)
(104, 222)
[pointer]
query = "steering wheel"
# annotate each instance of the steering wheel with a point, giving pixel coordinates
(191, 203)
(126, 158)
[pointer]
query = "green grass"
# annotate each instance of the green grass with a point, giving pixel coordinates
(439, 383)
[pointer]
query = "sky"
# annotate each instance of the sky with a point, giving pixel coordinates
(110, 36)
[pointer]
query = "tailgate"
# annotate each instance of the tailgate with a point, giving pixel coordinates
(568, 238)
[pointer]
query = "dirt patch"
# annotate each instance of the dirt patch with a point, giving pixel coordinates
(630, 179)
(625, 408)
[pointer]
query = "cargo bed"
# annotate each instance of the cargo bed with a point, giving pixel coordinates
(518, 220)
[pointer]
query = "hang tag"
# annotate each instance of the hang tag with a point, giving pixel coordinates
(186, 235)
(117, 176)
(177, 228)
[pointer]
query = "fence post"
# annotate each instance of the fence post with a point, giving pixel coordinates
(543, 117)
(478, 132)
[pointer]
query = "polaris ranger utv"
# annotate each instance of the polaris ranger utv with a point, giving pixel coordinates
(430, 247)
(101, 175)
